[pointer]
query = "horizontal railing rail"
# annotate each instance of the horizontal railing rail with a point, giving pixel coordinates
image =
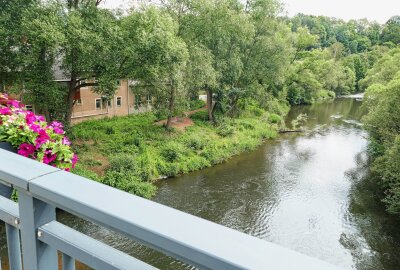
(198, 242)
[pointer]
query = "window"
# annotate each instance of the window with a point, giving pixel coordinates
(29, 108)
(78, 102)
(138, 101)
(119, 101)
(109, 103)
(148, 99)
(98, 103)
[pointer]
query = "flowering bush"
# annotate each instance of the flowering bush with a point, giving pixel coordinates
(33, 137)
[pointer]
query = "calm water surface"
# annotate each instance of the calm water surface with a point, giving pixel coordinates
(306, 191)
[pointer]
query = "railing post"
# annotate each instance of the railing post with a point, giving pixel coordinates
(14, 248)
(33, 214)
(68, 263)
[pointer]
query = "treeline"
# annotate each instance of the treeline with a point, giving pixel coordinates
(382, 101)
(240, 53)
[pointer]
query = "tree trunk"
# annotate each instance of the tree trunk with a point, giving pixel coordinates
(171, 107)
(210, 105)
(70, 101)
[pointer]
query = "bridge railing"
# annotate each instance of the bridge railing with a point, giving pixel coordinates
(198, 242)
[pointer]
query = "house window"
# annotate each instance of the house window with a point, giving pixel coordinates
(109, 103)
(29, 108)
(148, 98)
(98, 103)
(138, 101)
(119, 101)
(78, 102)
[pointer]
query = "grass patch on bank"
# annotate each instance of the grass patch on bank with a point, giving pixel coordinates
(130, 152)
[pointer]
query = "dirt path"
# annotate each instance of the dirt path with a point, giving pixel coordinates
(182, 122)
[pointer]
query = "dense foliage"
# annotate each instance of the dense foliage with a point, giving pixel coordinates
(131, 152)
(383, 123)
(233, 50)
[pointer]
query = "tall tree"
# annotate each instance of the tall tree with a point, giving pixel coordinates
(159, 55)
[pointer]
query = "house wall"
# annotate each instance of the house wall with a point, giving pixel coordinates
(87, 108)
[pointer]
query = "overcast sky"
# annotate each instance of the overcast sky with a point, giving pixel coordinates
(378, 10)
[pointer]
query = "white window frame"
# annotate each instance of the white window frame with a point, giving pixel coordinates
(149, 99)
(109, 103)
(116, 101)
(95, 103)
(78, 102)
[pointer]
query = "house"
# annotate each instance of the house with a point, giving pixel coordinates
(90, 105)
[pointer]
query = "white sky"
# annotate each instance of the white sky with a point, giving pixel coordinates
(373, 10)
(378, 10)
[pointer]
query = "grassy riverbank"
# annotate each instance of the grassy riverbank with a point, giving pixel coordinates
(130, 153)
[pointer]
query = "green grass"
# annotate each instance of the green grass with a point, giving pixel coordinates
(130, 152)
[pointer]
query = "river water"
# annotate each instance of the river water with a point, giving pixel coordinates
(306, 191)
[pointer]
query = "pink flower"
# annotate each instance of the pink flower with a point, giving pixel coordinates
(26, 149)
(30, 117)
(40, 118)
(65, 141)
(74, 160)
(5, 111)
(57, 127)
(49, 157)
(35, 128)
(42, 138)
(15, 103)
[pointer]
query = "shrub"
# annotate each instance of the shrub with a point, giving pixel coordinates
(172, 151)
(123, 162)
(274, 118)
(127, 181)
(200, 116)
(225, 130)
(196, 104)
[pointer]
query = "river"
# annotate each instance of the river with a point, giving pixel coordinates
(306, 191)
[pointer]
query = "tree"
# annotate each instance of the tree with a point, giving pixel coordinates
(391, 30)
(159, 55)
(12, 39)
(66, 36)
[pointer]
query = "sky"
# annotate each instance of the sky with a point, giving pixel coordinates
(373, 10)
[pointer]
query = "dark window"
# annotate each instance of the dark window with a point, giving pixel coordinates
(119, 101)
(29, 108)
(109, 103)
(98, 103)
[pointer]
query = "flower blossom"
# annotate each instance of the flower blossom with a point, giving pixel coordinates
(5, 111)
(26, 150)
(57, 127)
(49, 157)
(74, 160)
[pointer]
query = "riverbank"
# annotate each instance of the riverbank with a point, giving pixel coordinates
(131, 153)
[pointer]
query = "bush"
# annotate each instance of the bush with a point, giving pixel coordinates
(127, 181)
(200, 116)
(196, 104)
(172, 151)
(123, 162)
(274, 118)
(225, 130)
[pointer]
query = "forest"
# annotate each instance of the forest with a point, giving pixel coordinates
(247, 56)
